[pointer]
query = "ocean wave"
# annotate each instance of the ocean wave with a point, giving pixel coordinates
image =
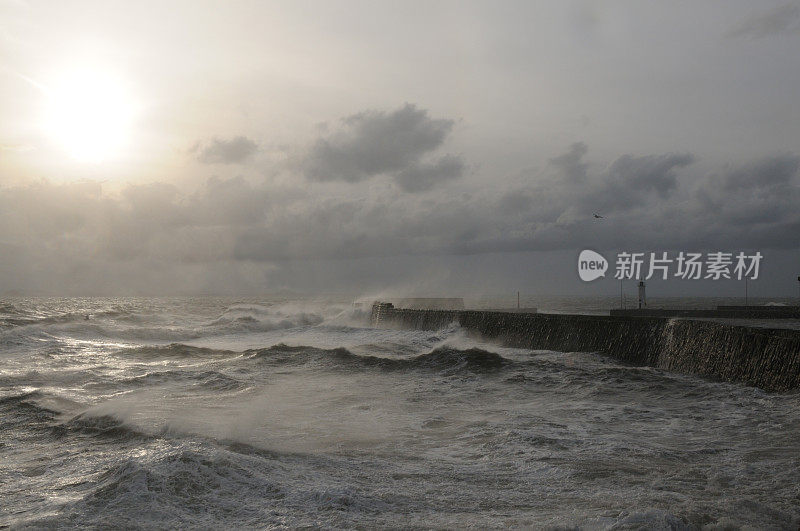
(252, 317)
(25, 415)
(103, 426)
(142, 322)
(28, 411)
(70, 317)
(117, 325)
(248, 323)
(388, 348)
(177, 488)
(210, 487)
(25, 407)
(442, 359)
(32, 333)
(175, 350)
(649, 519)
(473, 359)
(8, 308)
(249, 308)
(211, 380)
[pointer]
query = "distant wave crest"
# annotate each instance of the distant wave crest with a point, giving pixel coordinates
(443, 358)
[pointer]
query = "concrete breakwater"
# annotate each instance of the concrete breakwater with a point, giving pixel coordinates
(726, 312)
(765, 358)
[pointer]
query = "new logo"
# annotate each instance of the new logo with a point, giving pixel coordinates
(591, 265)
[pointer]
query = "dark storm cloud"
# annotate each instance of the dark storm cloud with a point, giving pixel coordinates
(515, 201)
(570, 163)
(424, 176)
(157, 220)
(220, 151)
(394, 143)
(781, 20)
(652, 173)
(648, 201)
(550, 213)
(572, 192)
(766, 172)
(46, 212)
(652, 201)
(631, 181)
(754, 197)
(229, 202)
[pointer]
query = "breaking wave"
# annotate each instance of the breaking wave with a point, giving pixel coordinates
(102, 426)
(175, 350)
(440, 359)
(251, 413)
(25, 410)
(134, 323)
(189, 487)
(211, 380)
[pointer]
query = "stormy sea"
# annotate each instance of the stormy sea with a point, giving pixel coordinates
(272, 412)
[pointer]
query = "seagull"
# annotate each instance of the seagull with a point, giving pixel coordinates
(598, 216)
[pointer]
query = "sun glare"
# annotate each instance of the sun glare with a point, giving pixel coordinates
(89, 115)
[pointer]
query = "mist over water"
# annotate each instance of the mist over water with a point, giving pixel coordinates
(212, 412)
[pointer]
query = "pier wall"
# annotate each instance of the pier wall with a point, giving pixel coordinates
(725, 312)
(765, 358)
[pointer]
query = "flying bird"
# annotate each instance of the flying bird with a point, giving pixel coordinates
(598, 216)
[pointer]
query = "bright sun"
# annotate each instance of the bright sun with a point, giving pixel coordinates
(89, 114)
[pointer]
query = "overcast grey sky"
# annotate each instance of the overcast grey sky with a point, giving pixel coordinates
(459, 147)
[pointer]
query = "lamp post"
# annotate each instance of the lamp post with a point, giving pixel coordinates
(745, 291)
(642, 299)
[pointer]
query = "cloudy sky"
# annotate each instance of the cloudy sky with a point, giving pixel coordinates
(425, 147)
